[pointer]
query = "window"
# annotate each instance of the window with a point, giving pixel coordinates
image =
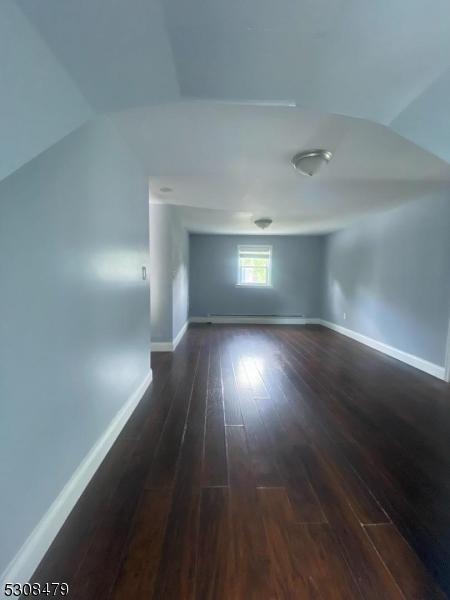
(254, 266)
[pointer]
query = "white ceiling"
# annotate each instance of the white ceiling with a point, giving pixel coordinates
(196, 89)
(236, 158)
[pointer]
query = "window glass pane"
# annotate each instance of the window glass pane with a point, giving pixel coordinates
(247, 262)
(254, 275)
(254, 262)
(260, 275)
(247, 275)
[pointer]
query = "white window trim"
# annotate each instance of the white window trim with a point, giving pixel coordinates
(259, 286)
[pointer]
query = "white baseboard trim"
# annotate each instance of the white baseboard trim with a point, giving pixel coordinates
(170, 346)
(23, 565)
(447, 356)
(180, 334)
(410, 359)
(255, 320)
(162, 347)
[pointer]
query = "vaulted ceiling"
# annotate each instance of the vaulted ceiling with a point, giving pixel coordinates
(214, 96)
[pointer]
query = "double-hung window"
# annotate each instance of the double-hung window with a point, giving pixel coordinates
(255, 266)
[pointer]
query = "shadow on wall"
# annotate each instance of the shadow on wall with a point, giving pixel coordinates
(351, 272)
(362, 292)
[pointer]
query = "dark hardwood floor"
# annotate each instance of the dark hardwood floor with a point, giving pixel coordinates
(267, 463)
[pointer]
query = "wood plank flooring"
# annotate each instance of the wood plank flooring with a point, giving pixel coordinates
(269, 462)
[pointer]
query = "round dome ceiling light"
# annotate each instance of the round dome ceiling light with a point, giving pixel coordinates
(310, 161)
(263, 223)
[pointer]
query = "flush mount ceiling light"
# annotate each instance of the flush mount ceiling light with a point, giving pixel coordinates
(263, 223)
(165, 190)
(310, 161)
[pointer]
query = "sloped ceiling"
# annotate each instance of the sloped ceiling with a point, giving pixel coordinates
(215, 96)
(39, 103)
(354, 57)
(117, 51)
(426, 120)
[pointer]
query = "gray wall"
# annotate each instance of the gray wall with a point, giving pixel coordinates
(161, 272)
(296, 276)
(74, 324)
(169, 272)
(180, 274)
(390, 274)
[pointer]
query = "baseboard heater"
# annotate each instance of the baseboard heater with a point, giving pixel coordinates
(241, 315)
(248, 318)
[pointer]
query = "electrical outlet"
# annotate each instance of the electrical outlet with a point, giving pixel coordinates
(345, 316)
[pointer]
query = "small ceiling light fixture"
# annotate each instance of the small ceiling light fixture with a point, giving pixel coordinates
(165, 190)
(310, 161)
(263, 223)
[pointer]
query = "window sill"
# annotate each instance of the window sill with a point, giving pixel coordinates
(253, 286)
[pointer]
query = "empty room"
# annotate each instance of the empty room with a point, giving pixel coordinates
(225, 299)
